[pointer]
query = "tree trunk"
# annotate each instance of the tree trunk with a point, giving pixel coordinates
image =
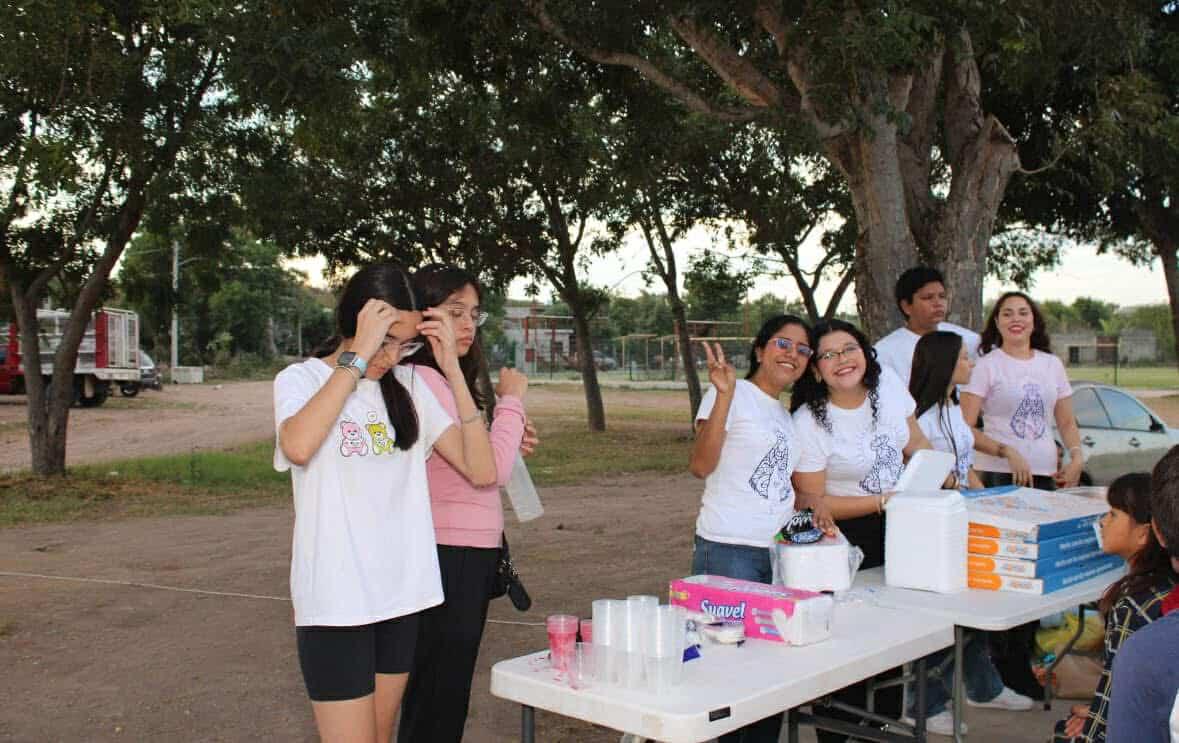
(679, 316)
(1168, 252)
(48, 405)
(869, 162)
(595, 411)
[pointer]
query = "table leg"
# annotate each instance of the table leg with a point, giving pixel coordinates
(1068, 647)
(919, 714)
(959, 679)
(792, 726)
(527, 724)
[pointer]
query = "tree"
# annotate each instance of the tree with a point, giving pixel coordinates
(1115, 180)
(97, 103)
(715, 289)
(890, 93)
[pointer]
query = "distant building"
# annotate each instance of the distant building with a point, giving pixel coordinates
(538, 339)
(1088, 348)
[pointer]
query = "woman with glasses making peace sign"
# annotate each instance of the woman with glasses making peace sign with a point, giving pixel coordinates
(468, 516)
(354, 430)
(745, 451)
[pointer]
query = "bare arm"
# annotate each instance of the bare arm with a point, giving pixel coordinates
(812, 486)
(1066, 423)
(301, 435)
(917, 440)
(466, 447)
(710, 432)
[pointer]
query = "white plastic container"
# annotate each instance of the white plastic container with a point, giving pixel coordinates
(522, 493)
(925, 541)
(822, 566)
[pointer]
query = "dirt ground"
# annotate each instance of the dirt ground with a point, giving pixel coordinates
(102, 661)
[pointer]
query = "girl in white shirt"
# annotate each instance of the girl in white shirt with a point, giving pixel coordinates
(745, 451)
(941, 363)
(355, 431)
(855, 425)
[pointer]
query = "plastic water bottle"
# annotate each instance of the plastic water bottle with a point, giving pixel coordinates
(522, 493)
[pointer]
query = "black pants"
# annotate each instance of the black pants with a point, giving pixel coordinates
(1012, 649)
(434, 709)
(867, 533)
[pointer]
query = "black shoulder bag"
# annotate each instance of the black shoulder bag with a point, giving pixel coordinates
(507, 580)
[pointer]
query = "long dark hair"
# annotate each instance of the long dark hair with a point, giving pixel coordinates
(768, 328)
(1150, 567)
(434, 284)
(811, 390)
(992, 339)
(934, 361)
(393, 284)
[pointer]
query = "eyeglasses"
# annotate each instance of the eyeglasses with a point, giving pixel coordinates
(477, 317)
(787, 345)
(405, 349)
(848, 350)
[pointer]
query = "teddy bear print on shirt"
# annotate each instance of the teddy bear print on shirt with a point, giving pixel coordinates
(353, 439)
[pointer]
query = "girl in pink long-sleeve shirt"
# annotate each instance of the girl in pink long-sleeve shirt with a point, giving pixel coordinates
(468, 522)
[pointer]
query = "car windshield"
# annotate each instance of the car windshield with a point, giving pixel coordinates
(145, 360)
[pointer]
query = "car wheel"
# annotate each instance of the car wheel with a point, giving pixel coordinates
(129, 389)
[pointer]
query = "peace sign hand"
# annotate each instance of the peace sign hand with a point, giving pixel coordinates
(721, 374)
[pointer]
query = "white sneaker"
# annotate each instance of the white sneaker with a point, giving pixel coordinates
(1007, 699)
(940, 724)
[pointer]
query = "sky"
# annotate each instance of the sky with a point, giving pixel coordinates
(1082, 273)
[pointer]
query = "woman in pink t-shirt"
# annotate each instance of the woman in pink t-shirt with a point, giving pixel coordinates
(1021, 388)
(468, 520)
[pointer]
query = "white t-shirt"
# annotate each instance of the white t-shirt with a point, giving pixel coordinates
(749, 496)
(1018, 406)
(861, 456)
(363, 547)
(947, 431)
(895, 350)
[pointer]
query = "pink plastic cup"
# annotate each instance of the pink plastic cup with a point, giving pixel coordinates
(562, 642)
(587, 631)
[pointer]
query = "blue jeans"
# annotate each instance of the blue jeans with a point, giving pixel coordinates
(982, 678)
(746, 563)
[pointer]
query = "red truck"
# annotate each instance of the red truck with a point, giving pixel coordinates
(109, 353)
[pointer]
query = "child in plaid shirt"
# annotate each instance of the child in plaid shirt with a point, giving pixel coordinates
(1131, 603)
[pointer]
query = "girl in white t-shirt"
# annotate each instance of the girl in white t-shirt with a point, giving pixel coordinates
(355, 431)
(745, 451)
(1020, 389)
(942, 363)
(856, 427)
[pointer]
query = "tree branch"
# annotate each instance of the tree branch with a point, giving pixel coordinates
(768, 15)
(840, 290)
(736, 71)
(688, 97)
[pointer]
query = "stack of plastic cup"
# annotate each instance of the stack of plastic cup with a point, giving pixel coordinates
(640, 612)
(663, 648)
(609, 633)
(562, 643)
(587, 631)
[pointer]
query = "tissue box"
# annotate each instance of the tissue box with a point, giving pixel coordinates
(774, 613)
(822, 566)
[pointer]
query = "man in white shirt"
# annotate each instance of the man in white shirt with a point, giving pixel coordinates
(921, 297)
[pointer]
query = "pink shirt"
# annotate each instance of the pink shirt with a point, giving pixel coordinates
(1018, 406)
(464, 515)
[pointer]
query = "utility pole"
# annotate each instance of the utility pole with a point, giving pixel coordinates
(175, 315)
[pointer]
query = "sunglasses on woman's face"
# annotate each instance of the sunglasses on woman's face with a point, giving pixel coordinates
(787, 345)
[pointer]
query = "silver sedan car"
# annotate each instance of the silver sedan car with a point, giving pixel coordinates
(1118, 433)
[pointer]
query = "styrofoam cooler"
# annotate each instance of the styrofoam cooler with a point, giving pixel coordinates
(925, 541)
(822, 566)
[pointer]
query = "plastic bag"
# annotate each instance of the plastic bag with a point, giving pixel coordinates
(1053, 639)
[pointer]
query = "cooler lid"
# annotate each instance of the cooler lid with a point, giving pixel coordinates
(927, 500)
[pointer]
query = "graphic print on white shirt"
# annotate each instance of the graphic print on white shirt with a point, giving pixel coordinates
(947, 431)
(1031, 419)
(886, 466)
(771, 477)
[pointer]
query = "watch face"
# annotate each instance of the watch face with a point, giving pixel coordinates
(347, 358)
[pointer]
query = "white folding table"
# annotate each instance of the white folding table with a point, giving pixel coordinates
(729, 687)
(993, 611)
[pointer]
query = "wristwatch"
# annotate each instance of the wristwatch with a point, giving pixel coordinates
(350, 358)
